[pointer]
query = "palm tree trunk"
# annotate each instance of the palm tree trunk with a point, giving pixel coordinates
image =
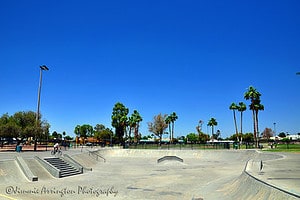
(212, 133)
(241, 126)
(256, 120)
(254, 126)
(136, 133)
(130, 134)
(236, 128)
(170, 136)
(172, 132)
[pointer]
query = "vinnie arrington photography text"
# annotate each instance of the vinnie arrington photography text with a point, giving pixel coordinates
(65, 191)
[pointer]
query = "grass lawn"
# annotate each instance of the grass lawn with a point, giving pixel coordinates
(286, 148)
(279, 148)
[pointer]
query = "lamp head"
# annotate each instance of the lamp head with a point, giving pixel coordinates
(44, 67)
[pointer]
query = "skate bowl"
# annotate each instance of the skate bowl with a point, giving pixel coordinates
(137, 174)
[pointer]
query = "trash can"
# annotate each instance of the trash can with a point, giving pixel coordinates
(19, 148)
(235, 145)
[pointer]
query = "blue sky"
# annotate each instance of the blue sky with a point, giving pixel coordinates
(191, 57)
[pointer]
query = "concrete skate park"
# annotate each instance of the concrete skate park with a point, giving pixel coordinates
(109, 173)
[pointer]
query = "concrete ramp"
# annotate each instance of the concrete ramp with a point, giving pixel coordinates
(10, 172)
(246, 187)
(170, 158)
(25, 169)
(248, 184)
(38, 169)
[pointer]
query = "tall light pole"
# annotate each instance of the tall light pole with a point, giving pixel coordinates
(274, 129)
(42, 68)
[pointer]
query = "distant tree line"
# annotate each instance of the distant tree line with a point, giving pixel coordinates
(126, 126)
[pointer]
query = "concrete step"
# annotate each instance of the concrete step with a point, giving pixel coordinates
(65, 168)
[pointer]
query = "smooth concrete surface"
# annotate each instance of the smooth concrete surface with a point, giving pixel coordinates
(135, 174)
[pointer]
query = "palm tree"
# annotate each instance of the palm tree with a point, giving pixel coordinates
(257, 107)
(137, 120)
(212, 122)
(253, 95)
(234, 107)
(241, 108)
(173, 119)
(134, 123)
(168, 122)
(131, 124)
(199, 128)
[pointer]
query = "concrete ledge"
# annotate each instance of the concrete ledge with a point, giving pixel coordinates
(28, 173)
(50, 168)
(175, 158)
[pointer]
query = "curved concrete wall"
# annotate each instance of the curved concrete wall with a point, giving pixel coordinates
(240, 155)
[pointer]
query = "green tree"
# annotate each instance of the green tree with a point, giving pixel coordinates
(212, 123)
(158, 125)
(282, 135)
(192, 138)
(55, 134)
(99, 127)
(26, 121)
(254, 96)
(23, 125)
(84, 131)
(8, 127)
(248, 137)
(68, 138)
(102, 133)
(119, 120)
(203, 138)
(4, 119)
(234, 107)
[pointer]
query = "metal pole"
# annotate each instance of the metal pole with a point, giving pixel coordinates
(43, 67)
(39, 96)
(38, 110)
(274, 129)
